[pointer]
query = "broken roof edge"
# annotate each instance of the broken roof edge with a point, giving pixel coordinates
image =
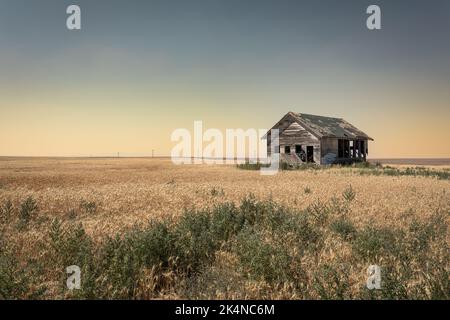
(297, 118)
(314, 115)
(300, 121)
(360, 134)
(365, 135)
(275, 125)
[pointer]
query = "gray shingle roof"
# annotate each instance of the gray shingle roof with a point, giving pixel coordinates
(329, 127)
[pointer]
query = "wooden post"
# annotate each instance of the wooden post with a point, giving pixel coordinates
(354, 148)
(347, 147)
(359, 149)
(364, 149)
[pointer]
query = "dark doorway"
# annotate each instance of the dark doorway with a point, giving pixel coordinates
(340, 148)
(363, 149)
(346, 149)
(309, 154)
(300, 153)
(287, 149)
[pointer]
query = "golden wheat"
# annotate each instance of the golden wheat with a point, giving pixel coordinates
(129, 192)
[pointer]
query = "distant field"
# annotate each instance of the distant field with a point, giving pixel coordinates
(417, 162)
(303, 233)
(402, 161)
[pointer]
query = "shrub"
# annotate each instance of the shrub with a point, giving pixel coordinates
(13, 283)
(250, 209)
(263, 242)
(332, 282)
(393, 284)
(193, 239)
(71, 214)
(438, 281)
(118, 268)
(89, 206)
(320, 212)
(226, 221)
(6, 211)
(285, 166)
(260, 259)
(154, 245)
(17, 282)
(344, 228)
(71, 246)
(418, 171)
(304, 232)
(349, 194)
(422, 233)
(272, 217)
(371, 242)
(252, 166)
(338, 207)
(28, 209)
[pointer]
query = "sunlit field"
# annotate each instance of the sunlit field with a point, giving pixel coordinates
(146, 228)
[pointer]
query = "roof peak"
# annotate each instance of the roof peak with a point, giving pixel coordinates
(314, 115)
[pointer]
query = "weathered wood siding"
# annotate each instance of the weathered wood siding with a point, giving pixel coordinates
(281, 125)
(294, 135)
(329, 150)
(329, 145)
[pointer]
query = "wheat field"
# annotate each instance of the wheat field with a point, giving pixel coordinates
(110, 197)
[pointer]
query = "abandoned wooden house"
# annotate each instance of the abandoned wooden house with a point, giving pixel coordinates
(305, 138)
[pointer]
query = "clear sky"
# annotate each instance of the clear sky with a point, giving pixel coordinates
(140, 69)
